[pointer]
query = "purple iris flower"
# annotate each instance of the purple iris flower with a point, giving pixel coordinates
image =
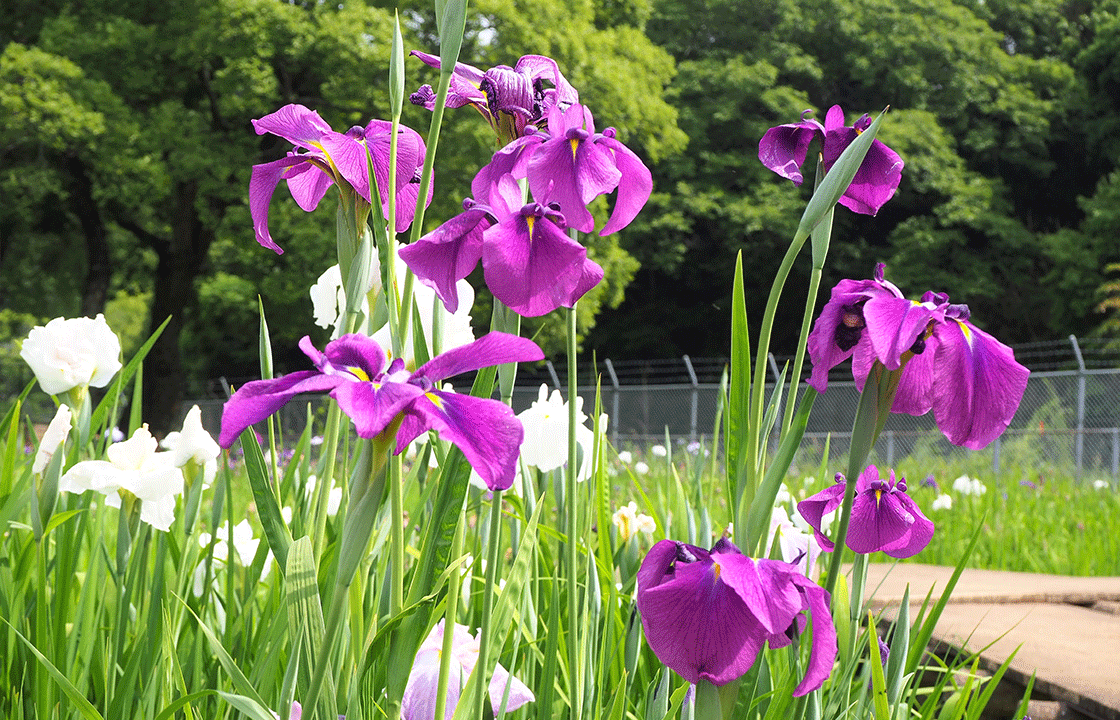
(323, 157)
(375, 393)
(573, 165)
(510, 98)
(783, 150)
(529, 263)
(883, 516)
(969, 380)
(707, 613)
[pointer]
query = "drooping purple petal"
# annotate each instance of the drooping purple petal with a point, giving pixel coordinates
(539, 67)
(571, 170)
(308, 183)
(488, 432)
(977, 386)
(262, 184)
(254, 401)
(783, 148)
(815, 507)
(494, 348)
(878, 521)
(530, 265)
(449, 253)
(634, 188)
(822, 655)
(893, 325)
(917, 536)
(695, 623)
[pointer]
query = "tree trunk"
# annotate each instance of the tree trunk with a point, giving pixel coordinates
(95, 289)
(180, 262)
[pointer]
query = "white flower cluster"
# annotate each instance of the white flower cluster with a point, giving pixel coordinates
(72, 353)
(136, 466)
(964, 485)
(630, 522)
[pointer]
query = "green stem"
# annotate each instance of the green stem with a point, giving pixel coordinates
(450, 616)
(396, 510)
(492, 560)
(575, 692)
(762, 353)
(874, 405)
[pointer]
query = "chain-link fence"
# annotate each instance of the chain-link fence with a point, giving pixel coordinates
(1068, 421)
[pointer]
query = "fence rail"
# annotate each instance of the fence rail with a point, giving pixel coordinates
(1069, 416)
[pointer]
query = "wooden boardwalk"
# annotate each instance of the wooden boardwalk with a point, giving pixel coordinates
(1067, 628)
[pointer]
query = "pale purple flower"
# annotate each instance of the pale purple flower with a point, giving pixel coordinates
(783, 150)
(374, 393)
(419, 701)
(883, 516)
(707, 614)
(323, 157)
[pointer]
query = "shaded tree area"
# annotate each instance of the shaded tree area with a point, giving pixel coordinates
(126, 146)
(1003, 111)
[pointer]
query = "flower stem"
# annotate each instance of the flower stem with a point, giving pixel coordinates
(449, 619)
(575, 692)
(492, 560)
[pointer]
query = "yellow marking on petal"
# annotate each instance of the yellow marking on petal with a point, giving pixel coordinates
(359, 373)
(967, 331)
(575, 144)
(717, 568)
(436, 400)
(878, 497)
(530, 221)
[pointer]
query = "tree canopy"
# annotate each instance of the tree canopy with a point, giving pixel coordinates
(127, 143)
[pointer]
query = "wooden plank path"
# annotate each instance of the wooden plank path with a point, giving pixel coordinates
(1067, 628)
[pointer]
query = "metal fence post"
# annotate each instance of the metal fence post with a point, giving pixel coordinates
(692, 419)
(552, 372)
(614, 401)
(995, 454)
(1115, 454)
(890, 447)
(1079, 444)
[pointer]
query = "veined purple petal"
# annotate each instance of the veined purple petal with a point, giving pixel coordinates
(494, 348)
(295, 123)
(783, 148)
(918, 535)
(373, 406)
(359, 354)
(815, 507)
(487, 431)
(915, 387)
(571, 170)
(634, 188)
(308, 184)
(978, 385)
(878, 521)
(875, 181)
(511, 160)
(774, 605)
(696, 623)
(449, 253)
(410, 160)
(348, 155)
(822, 655)
(262, 184)
(539, 67)
(531, 266)
(464, 82)
(254, 401)
(893, 325)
